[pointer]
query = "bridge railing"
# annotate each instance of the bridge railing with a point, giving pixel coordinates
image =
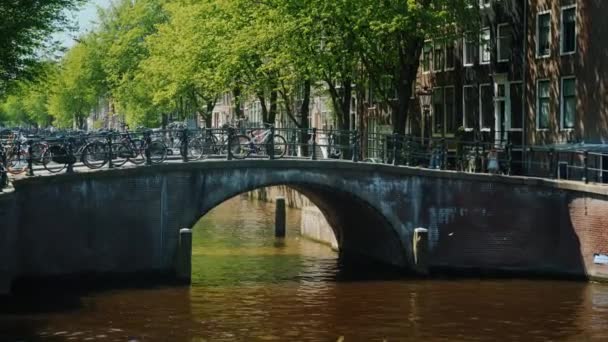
(52, 152)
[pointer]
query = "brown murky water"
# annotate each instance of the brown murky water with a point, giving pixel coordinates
(247, 287)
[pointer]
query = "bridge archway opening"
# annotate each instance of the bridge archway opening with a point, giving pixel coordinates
(363, 234)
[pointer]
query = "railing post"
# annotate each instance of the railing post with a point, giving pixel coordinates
(355, 137)
(408, 150)
(314, 144)
(110, 152)
(30, 159)
(3, 175)
(185, 145)
(551, 166)
(509, 159)
(384, 149)
(395, 139)
(270, 144)
(444, 155)
(71, 158)
(148, 141)
(476, 155)
(586, 166)
(229, 143)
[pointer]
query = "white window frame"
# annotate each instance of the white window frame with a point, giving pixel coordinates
(510, 128)
(561, 30)
(498, 47)
(481, 85)
(538, 56)
(430, 42)
(561, 102)
(445, 113)
(434, 44)
(445, 56)
(537, 100)
(464, 107)
(481, 45)
(464, 52)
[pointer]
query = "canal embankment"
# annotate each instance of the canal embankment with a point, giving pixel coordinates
(313, 224)
(8, 236)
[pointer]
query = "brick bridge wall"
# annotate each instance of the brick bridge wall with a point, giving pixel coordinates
(123, 221)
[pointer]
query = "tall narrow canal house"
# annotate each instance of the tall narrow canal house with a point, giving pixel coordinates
(533, 75)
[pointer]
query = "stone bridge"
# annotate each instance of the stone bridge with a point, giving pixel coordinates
(126, 221)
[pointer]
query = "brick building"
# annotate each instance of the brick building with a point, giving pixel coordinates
(532, 75)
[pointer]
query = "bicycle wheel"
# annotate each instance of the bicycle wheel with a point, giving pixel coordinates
(196, 149)
(16, 162)
(280, 147)
(138, 156)
(95, 155)
(38, 150)
(240, 146)
(121, 154)
(55, 159)
(158, 152)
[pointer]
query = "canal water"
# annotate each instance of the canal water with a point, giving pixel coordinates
(249, 287)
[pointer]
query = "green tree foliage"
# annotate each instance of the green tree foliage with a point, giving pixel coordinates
(77, 86)
(26, 104)
(121, 38)
(25, 27)
(155, 57)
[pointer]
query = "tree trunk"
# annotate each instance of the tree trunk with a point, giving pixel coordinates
(236, 93)
(262, 99)
(274, 96)
(304, 114)
(209, 113)
(408, 68)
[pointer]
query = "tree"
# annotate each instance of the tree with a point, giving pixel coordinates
(183, 61)
(391, 39)
(121, 40)
(77, 85)
(27, 101)
(26, 26)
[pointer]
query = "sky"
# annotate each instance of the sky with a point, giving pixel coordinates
(84, 18)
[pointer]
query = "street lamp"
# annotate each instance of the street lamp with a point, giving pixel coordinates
(425, 95)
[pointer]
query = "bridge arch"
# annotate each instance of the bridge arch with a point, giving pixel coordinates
(362, 231)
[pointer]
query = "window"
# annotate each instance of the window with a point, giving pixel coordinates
(438, 57)
(469, 51)
(568, 30)
(484, 46)
(484, 3)
(438, 109)
(470, 106)
(542, 104)
(568, 102)
(427, 55)
(486, 107)
(450, 112)
(543, 34)
(450, 55)
(505, 35)
(515, 94)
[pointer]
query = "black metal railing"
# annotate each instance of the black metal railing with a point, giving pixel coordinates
(32, 153)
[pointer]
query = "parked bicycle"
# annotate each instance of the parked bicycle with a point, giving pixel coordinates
(259, 142)
(99, 153)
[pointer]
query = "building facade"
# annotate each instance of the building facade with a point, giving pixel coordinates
(533, 75)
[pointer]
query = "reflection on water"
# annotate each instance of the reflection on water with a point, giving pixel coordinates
(246, 287)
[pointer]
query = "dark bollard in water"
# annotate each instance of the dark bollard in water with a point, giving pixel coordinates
(184, 256)
(279, 218)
